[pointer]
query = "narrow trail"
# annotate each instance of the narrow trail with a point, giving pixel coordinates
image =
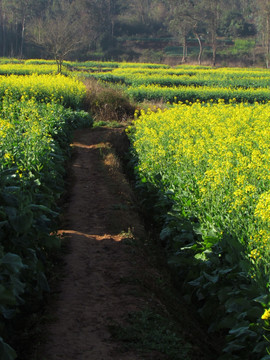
(95, 291)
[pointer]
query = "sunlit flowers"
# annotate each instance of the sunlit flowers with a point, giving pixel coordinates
(216, 159)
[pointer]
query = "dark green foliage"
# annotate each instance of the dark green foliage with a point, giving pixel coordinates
(30, 189)
(213, 273)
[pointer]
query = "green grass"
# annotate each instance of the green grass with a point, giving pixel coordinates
(147, 331)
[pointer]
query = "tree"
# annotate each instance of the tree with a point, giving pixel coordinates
(263, 23)
(180, 23)
(212, 13)
(186, 17)
(18, 13)
(60, 31)
(140, 9)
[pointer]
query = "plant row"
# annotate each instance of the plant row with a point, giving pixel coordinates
(186, 76)
(134, 74)
(194, 93)
(44, 88)
(207, 168)
(35, 133)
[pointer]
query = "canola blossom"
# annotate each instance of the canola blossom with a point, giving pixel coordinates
(188, 76)
(27, 69)
(65, 90)
(216, 160)
(266, 315)
(37, 116)
(208, 157)
(192, 93)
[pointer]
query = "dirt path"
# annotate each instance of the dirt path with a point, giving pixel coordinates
(94, 291)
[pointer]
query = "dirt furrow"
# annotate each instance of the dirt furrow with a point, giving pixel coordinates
(93, 291)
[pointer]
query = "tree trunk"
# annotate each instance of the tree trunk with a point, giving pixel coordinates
(4, 35)
(201, 48)
(214, 57)
(267, 42)
(214, 49)
(184, 44)
(112, 28)
(22, 37)
(59, 62)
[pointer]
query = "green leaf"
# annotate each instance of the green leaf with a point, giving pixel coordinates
(226, 323)
(224, 293)
(13, 262)
(233, 346)
(254, 312)
(6, 351)
(237, 305)
(206, 311)
(225, 271)
(212, 278)
(244, 330)
(6, 296)
(196, 282)
(44, 209)
(7, 313)
(165, 233)
(17, 288)
(9, 200)
(201, 257)
(263, 300)
(22, 223)
(187, 236)
(11, 211)
(260, 348)
(3, 223)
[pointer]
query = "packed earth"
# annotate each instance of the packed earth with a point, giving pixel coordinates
(108, 276)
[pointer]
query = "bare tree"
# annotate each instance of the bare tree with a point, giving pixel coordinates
(19, 13)
(60, 31)
(182, 22)
(263, 23)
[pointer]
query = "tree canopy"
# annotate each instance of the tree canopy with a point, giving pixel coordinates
(109, 29)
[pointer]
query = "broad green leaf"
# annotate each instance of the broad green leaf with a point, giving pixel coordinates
(6, 351)
(244, 330)
(227, 322)
(196, 282)
(6, 296)
(10, 199)
(263, 300)
(7, 313)
(43, 208)
(11, 211)
(165, 233)
(260, 347)
(212, 278)
(22, 223)
(13, 262)
(233, 346)
(237, 305)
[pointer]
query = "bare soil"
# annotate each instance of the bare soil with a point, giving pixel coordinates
(106, 274)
